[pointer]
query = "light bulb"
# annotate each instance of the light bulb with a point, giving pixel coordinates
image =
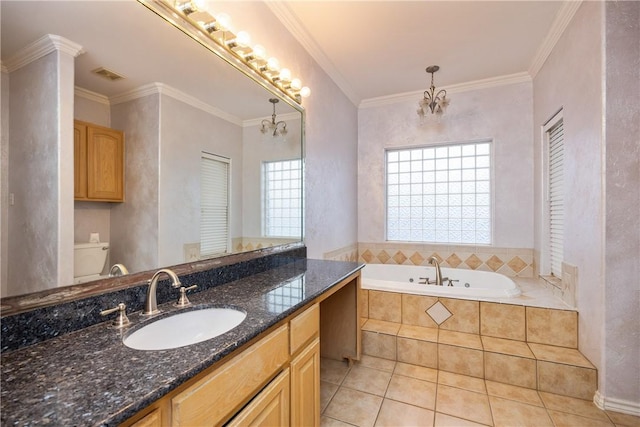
(243, 39)
(305, 92)
(273, 64)
(224, 21)
(296, 84)
(259, 52)
(285, 75)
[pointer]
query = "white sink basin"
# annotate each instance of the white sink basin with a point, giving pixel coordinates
(185, 328)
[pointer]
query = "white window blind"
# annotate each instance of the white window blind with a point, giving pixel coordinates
(214, 205)
(282, 198)
(556, 197)
(440, 194)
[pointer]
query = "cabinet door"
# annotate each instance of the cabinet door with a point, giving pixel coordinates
(153, 419)
(305, 386)
(79, 161)
(105, 164)
(269, 408)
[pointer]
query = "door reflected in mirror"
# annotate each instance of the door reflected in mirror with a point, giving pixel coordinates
(178, 106)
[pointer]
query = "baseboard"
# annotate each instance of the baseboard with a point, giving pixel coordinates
(616, 405)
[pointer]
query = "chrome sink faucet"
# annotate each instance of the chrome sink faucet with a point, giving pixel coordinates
(439, 279)
(151, 304)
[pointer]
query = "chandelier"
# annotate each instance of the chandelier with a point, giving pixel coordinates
(432, 101)
(276, 128)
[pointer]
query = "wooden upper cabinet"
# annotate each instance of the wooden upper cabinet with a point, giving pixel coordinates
(99, 163)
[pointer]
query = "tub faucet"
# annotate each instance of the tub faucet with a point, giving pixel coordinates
(439, 279)
(151, 304)
(118, 270)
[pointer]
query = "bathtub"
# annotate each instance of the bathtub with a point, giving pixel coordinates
(406, 278)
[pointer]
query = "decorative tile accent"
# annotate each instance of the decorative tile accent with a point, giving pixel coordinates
(399, 258)
(416, 258)
(473, 262)
(521, 262)
(494, 263)
(454, 261)
(517, 264)
(439, 313)
(367, 256)
(383, 257)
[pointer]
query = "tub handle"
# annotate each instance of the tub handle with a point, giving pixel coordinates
(451, 282)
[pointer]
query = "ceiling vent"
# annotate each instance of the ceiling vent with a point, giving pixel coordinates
(108, 74)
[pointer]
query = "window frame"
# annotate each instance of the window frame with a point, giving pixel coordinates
(227, 161)
(265, 199)
(546, 261)
(491, 143)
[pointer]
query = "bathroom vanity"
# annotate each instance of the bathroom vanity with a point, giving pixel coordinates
(266, 369)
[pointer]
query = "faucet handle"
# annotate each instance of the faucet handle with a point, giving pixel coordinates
(122, 320)
(183, 301)
(451, 281)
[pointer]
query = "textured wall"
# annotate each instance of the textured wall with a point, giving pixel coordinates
(134, 224)
(571, 79)
(622, 207)
(4, 180)
(36, 228)
(502, 114)
(186, 132)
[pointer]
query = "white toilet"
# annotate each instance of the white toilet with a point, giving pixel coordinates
(88, 261)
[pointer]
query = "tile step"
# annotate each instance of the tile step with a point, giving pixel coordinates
(543, 367)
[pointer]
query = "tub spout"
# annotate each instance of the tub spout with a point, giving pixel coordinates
(439, 279)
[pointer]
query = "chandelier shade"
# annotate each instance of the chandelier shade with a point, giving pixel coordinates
(272, 126)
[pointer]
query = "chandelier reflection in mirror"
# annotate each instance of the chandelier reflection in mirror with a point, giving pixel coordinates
(273, 127)
(219, 28)
(435, 102)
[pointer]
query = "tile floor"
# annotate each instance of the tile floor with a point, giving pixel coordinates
(381, 392)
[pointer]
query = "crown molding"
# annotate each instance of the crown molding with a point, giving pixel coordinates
(293, 25)
(43, 46)
(91, 96)
(163, 89)
(559, 25)
(457, 88)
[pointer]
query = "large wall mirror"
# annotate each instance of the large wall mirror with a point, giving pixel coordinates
(180, 107)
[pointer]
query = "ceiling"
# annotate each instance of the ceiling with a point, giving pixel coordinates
(377, 49)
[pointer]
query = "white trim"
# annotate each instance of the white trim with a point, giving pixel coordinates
(291, 23)
(457, 88)
(161, 88)
(43, 46)
(559, 25)
(91, 96)
(616, 405)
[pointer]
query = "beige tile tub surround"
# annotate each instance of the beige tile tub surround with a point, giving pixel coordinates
(505, 343)
(554, 327)
(513, 262)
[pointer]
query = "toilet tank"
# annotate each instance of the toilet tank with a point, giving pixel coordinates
(89, 258)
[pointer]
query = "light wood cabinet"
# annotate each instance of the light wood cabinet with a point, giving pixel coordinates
(305, 386)
(269, 408)
(217, 396)
(98, 163)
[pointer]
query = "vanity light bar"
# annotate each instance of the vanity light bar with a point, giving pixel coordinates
(219, 29)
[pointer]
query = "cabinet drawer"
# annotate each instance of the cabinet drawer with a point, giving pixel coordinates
(211, 400)
(269, 408)
(304, 327)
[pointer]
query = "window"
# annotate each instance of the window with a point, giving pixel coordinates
(440, 194)
(554, 135)
(282, 205)
(214, 205)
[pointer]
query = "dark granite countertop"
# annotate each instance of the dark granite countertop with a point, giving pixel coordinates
(89, 377)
